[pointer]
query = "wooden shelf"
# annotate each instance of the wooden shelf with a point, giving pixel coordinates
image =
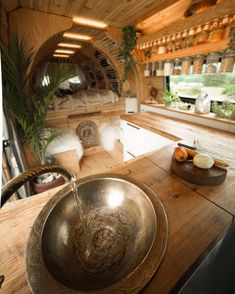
(192, 51)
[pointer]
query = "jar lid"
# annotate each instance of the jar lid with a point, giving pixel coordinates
(177, 60)
(199, 56)
(191, 32)
(187, 58)
(229, 52)
(213, 57)
(216, 54)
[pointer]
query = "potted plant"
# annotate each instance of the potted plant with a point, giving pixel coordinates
(224, 110)
(169, 98)
(26, 101)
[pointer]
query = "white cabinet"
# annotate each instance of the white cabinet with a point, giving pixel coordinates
(138, 141)
(131, 105)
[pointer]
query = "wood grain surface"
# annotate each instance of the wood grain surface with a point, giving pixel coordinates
(194, 224)
(115, 13)
(192, 51)
(226, 7)
(197, 216)
(220, 145)
(205, 177)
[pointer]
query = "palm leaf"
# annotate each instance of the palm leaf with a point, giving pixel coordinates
(26, 102)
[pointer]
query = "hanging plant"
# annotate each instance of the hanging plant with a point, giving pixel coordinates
(129, 39)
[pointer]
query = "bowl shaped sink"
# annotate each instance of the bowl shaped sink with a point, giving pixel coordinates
(102, 234)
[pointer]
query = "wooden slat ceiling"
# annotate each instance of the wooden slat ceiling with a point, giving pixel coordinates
(117, 13)
(104, 45)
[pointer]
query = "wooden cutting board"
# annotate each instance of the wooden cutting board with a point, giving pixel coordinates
(206, 177)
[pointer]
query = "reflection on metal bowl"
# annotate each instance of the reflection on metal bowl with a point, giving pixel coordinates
(114, 239)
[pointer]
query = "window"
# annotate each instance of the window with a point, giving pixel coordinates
(46, 81)
(218, 86)
(75, 80)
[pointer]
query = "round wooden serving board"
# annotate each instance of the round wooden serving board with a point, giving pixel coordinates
(206, 177)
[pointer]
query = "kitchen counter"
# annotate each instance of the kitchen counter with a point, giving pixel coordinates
(197, 216)
(220, 144)
(209, 119)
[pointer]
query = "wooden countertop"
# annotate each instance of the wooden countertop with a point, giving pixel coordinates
(220, 144)
(197, 216)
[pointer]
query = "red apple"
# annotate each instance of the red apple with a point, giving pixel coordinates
(180, 154)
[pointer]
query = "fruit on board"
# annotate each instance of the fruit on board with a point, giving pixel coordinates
(203, 161)
(180, 154)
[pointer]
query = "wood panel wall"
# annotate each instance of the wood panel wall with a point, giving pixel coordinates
(155, 82)
(113, 12)
(36, 26)
(226, 7)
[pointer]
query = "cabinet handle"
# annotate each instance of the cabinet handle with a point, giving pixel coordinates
(131, 154)
(133, 126)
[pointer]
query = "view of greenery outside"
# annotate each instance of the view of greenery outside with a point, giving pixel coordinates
(219, 86)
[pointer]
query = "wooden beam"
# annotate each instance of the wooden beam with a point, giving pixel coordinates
(115, 34)
(219, 10)
(36, 27)
(165, 17)
(191, 51)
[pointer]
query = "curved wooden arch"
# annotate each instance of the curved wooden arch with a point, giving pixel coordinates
(93, 56)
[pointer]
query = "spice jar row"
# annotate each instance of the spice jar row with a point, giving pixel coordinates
(207, 33)
(214, 62)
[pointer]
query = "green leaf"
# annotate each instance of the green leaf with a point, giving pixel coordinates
(28, 102)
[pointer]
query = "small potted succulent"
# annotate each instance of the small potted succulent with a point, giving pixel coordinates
(170, 98)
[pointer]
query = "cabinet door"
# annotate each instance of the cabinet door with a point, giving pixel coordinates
(138, 141)
(127, 155)
(154, 141)
(133, 139)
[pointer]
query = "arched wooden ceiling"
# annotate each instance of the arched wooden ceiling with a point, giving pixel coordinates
(101, 42)
(117, 13)
(107, 71)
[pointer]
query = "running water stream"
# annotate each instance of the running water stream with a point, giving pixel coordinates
(86, 236)
(77, 200)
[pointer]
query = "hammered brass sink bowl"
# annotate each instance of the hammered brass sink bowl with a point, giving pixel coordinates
(108, 237)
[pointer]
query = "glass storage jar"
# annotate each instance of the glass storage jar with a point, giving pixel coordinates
(212, 61)
(169, 45)
(146, 70)
(167, 68)
(198, 62)
(183, 40)
(154, 48)
(206, 27)
(216, 35)
(186, 64)
(153, 70)
(177, 45)
(189, 41)
(177, 67)
(201, 38)
(227, 62)
(159, 68)
(161, 49)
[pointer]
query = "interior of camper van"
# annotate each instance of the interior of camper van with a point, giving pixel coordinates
(118, 146)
